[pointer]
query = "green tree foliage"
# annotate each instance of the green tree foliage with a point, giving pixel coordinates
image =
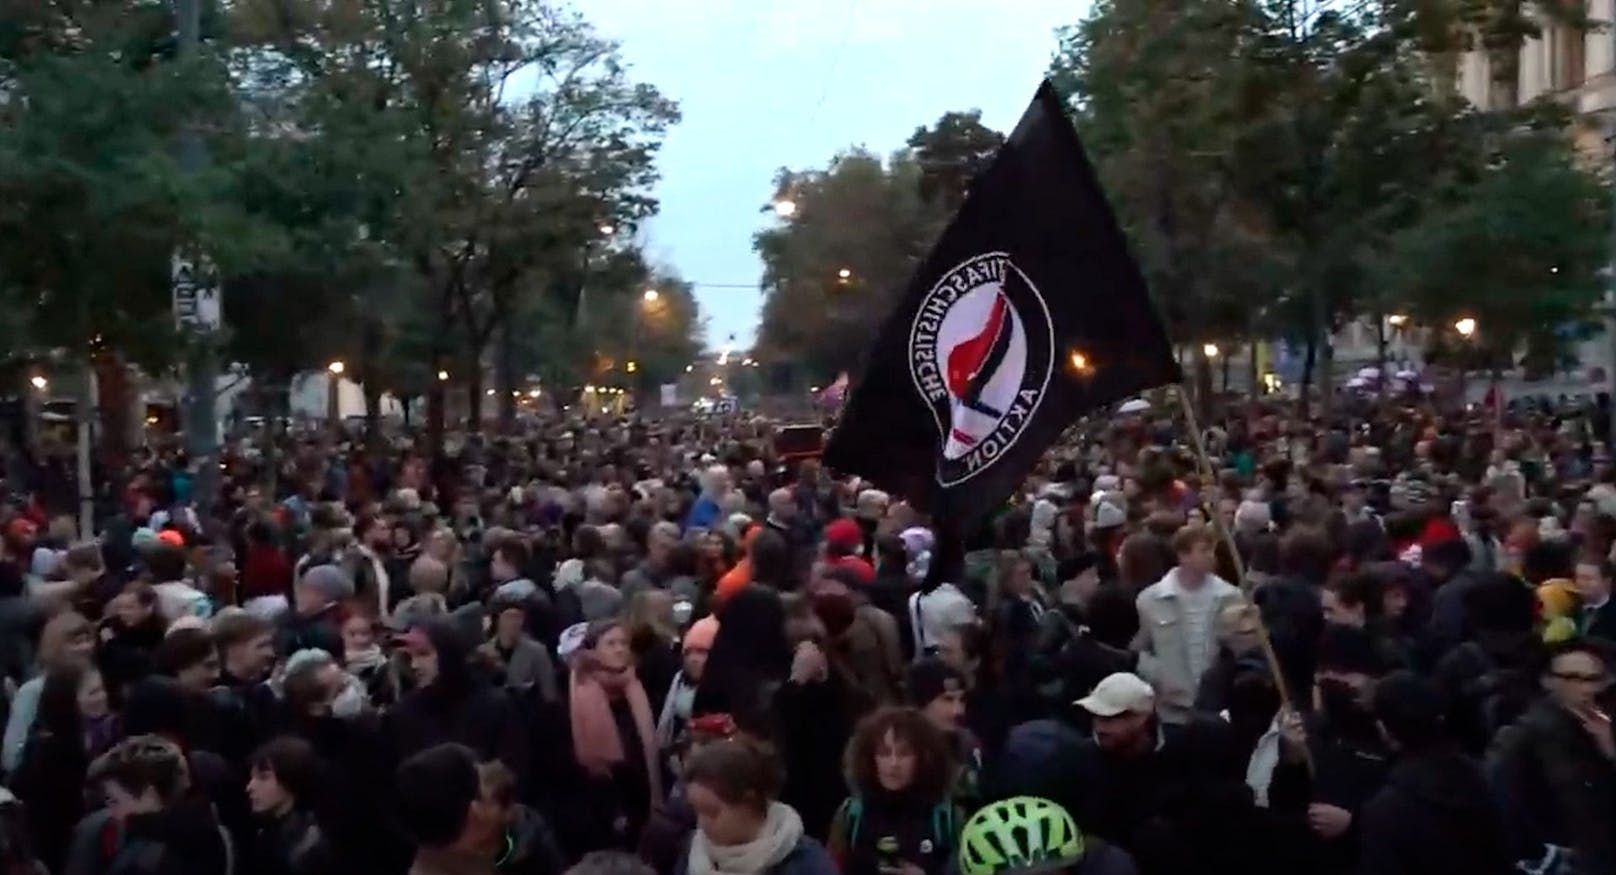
(862, 216)
(93, 198)
(951, 153)
(1520, 249)
(1274, 161)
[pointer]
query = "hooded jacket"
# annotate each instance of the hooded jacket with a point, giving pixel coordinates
(459, 706)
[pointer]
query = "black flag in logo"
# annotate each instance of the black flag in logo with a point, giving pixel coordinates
(1028, 313)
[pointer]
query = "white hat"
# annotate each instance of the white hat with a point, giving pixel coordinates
(1123, 692)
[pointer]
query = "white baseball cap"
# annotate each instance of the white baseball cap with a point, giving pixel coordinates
(1120, 693)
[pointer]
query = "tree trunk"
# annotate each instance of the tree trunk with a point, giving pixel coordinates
(112, 381)
(505, 371)
(434, 408)
(371, 387)
(474, 397)
(1256, 377)
(1324, 351)
(373, 414)
(1203, 384)
(1307, 373)
(1380, 352)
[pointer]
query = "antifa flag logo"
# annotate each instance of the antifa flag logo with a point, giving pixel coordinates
(980, 352)
(1027, 314)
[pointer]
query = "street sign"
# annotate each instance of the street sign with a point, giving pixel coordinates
(196, 294)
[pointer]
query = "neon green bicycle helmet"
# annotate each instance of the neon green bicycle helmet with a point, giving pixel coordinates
(1018, 836)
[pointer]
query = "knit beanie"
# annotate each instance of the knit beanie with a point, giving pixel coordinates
(701, 634)
(928, 679)
(329, 581)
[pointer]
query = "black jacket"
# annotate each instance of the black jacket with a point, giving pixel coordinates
(320, 632)
(1173, 808)
(1434, 816)
(1347, 773)
(291, 845)
(184, 839)
(1555, 787)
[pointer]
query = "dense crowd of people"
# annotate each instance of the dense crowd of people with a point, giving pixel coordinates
(1376, 643)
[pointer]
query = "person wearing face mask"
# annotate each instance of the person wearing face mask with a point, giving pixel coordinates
(1066, 659)
(613, 774)
(1316, 808)
(1555, 768)
(325, 707)
(900, 818)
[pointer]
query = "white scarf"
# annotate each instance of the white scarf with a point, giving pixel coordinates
(781, 832)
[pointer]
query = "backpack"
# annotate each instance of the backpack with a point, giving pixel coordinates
(942, 821)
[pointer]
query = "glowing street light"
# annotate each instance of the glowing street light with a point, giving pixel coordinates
(651, 296)
(785, 208)
(39, 382)
(716, 381)
(1079, 362)
(443, 376)
(632, 366)
(1210, 350)
(336, 368)
(844, 274)
(1466, 327)
(1397, 320)
(607, 229)
(689, 368)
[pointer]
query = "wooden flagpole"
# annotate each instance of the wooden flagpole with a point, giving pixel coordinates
(1209, 478)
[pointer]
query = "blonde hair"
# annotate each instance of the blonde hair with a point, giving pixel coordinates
(651, 610)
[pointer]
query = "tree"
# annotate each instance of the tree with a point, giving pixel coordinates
(494, 140)
(1167, 98)
(1521, 250)
(861, 217)
(950, 154)
(1267, 156)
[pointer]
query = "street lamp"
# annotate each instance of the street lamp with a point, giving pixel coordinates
(39, 382)
(443, 376)
(607, 229)
(844, 274)
(336, 368)
(1397, 320)
(533, 393)
(651, 296)
(1466, 327)
(1210, 350)
(785, 208)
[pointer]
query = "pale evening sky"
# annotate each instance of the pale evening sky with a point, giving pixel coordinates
(770, 83)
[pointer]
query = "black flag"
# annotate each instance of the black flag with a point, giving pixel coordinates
(1028, 313)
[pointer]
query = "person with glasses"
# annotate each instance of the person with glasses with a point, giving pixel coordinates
(1555, 768)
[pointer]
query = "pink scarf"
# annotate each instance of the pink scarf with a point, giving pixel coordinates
(595, 739)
